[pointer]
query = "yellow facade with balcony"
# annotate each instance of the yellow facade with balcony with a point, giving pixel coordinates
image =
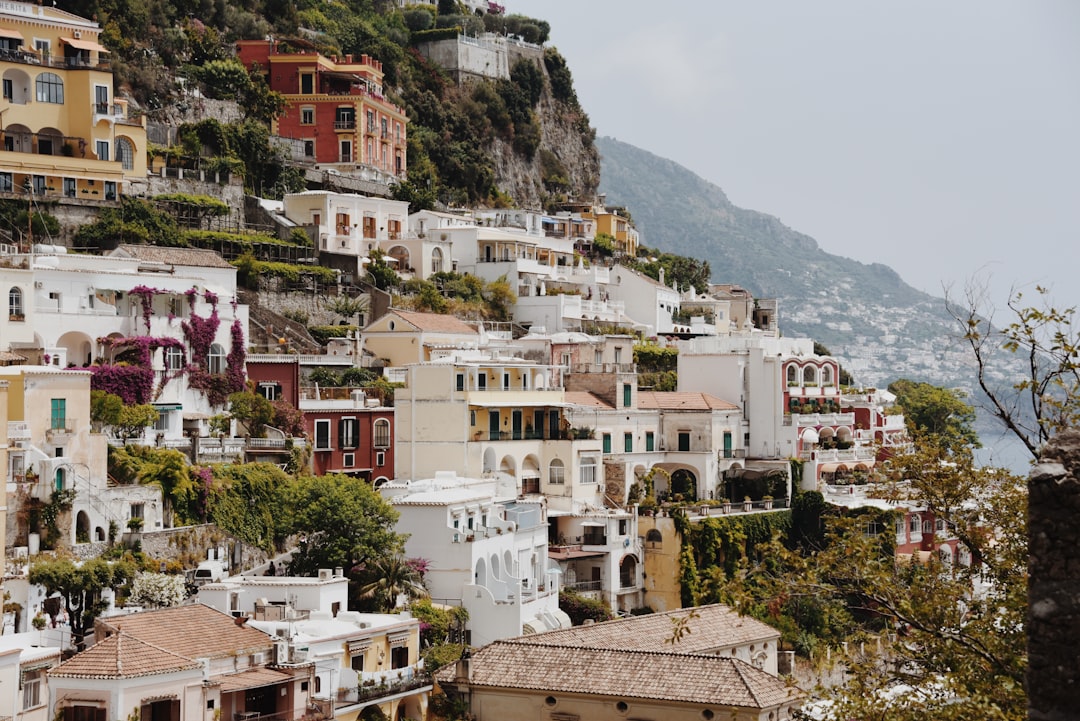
(64, 136)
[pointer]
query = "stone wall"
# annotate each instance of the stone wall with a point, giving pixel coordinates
(1053, 622)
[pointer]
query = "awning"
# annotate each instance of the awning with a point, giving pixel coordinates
(167, 407)
(595, 524)
(510, 405)
(829, 467)
(15, 34)
(84, 44)
(254, 678)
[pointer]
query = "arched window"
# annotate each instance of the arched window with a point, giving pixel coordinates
(125, 153)
(215, 360)
(557, 472)
(792, 375)
(50, 88)
(809, 375)
(15, 303)
(381, 433)
(914, 524)
(654, 537)
(436, 260)
(826, 376)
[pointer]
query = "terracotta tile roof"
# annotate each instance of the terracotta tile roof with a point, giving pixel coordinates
(585, 398)
(676, 401)
(252, 678)
(194, 631)
(716, 626)
(623, 674)
(435, 322)
(122, 656)
(174, 256)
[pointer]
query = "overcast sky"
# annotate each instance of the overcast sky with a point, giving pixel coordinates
(939, 138)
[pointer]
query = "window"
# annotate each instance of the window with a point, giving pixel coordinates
(269, 391)
(381, 433)
(69, 187)
(307, 116)
(357, 662)
(460, 381)
(110, 190)
(50, 88)
(826, 376)
(684, 440)
(322, 435)
(125, 153)
(162, 423)
(627, 394)
(809, 375)
(309, 150)
(380, 459)
(914, 525)
(9, 89)
(506, 381)
(6, 183)
(607, 443)
(472, 418)
(215, 360)
(727, 444)
(557, 472)
(481, 381)
(58, 414)
(174, 358)
(32, 682)
(346, 151)
(348, 433)
(307, 83)
(102, 147)
(136, 510)
(792, 375)
(628, 442)
(588, 470)
(345, 119)
(348, 460)
(618, 354)
(650, 441)
(39, 185)
(598, 357)
(15, 303)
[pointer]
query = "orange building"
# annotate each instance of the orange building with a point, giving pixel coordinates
(336, 107)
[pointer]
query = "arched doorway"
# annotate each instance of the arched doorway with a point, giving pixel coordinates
(82, 528)
(683, 485)
(628, 572)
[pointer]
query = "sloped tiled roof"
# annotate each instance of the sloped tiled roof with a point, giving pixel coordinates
(585, 398)
(435, 322)
(194, 631)
(676, 401)
(715, 626)
(122, 656)
(253, 678)
(623, 674)
(196, 257)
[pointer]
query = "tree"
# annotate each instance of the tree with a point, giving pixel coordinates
(939, 413)
(951, 632)
(1042, 344)
(157, 590)
(389, 578)
(80, 587)
(253, 410)
(340, 521)
(249, 500)
(168, 470)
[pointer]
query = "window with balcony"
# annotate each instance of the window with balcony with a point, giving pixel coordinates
(174, 359)
(58, 414)
(70, 188)
(6, 181)
(50, 88)
(39, 184)
(270, 391)
(381, 433)
(322, 435)
(557, 472)
(459, 380)
(344, 118)
(349, 433)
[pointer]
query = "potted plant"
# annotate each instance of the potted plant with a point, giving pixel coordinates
(747, 504)
(135, 524)
(768, 502)
(726, 503)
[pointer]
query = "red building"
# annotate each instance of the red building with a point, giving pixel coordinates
(350, 436)
(336, 108)
(276, 377)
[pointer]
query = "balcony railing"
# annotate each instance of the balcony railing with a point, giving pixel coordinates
(379, 684)
(344, 125)
(585, 586)
(61, 425)
(31, 58)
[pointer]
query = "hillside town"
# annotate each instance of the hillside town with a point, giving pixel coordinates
(529, 451)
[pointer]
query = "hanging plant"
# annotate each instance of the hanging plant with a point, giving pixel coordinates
(146, 294)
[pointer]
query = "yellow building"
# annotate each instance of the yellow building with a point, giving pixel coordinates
(613, 222)
(65, 135)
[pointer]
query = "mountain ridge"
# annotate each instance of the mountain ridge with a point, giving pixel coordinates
(881, 327)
